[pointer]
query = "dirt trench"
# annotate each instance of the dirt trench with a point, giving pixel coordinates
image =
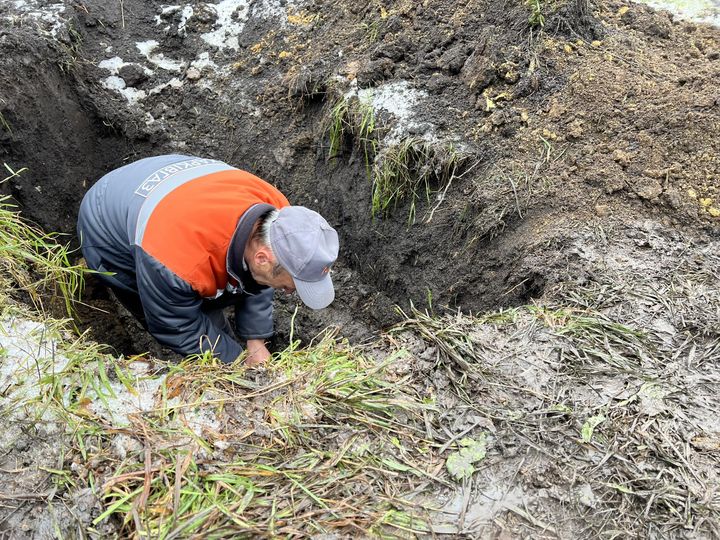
(66, 132)
(537, 160)
(590, 165)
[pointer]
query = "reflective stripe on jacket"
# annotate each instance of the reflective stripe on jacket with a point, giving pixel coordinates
(166, 227)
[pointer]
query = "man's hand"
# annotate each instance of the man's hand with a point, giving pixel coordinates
(257, 353)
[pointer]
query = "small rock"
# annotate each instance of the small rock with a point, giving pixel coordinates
(673, 198)
(575, 130)
(497, 118)
(193, 74)
(511, 76)
(649, 189)
(622, 158)
(660, 30)
(22, 444)
(437, 83)
(283, 155)
(602, 210)
(123, 445)
(586, 496)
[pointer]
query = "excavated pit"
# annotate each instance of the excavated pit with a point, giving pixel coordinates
(103, 86)
(56, 132)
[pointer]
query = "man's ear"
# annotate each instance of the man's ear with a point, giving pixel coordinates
(263, 255)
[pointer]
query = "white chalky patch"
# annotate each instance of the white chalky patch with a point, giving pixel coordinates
(113, 65)
(703, 11)
(187, 12)
(401, 101)
(164, 12)
(397, 98)
(48, 15)
(133, 95)
(203, 61)
(116, 407)
(147, 49)
(29, 349)
(25, 350)
(231, 18)
(172, 83)
(117, 83)
(199, 420)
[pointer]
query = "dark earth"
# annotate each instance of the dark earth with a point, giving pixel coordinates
(600, 114)
(607, 114)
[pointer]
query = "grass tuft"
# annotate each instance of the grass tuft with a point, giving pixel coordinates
(411, 170)
(537, 17)
(408, 170)
(316, 445)
(353, 118)
(33, 260)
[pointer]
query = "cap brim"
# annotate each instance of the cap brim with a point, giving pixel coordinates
(316, 294)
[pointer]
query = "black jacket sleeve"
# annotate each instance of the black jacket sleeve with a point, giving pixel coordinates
(254, 315)
(173, 312)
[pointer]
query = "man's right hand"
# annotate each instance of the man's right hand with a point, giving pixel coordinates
(258, 353)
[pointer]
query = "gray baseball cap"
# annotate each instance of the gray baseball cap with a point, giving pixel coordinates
(306, 246)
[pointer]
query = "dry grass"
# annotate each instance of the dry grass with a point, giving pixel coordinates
(321, 443)
(606, 396)
(32, 260)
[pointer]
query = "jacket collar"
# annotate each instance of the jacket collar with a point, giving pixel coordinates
(235, 263)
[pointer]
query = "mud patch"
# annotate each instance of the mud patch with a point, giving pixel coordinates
(35, 441)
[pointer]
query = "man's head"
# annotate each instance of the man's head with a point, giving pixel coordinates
(293, 249)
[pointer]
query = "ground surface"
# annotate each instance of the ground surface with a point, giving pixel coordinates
(587, 179)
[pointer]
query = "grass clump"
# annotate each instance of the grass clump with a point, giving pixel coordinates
(407, 170)
(411, 170)
(34, 261)
(314, 446)
(537, 17)
(353, 119)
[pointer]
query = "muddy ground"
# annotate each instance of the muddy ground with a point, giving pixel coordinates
(587, 134)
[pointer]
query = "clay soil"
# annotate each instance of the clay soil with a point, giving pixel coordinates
(604, 122)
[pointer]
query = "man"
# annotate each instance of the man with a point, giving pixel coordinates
(178, 238)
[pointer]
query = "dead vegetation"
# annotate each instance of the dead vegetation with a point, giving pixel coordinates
(601, 396)
(33, 261)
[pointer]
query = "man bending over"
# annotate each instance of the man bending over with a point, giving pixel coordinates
(179, 238)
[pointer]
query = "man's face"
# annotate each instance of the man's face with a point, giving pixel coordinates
(268, 274)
